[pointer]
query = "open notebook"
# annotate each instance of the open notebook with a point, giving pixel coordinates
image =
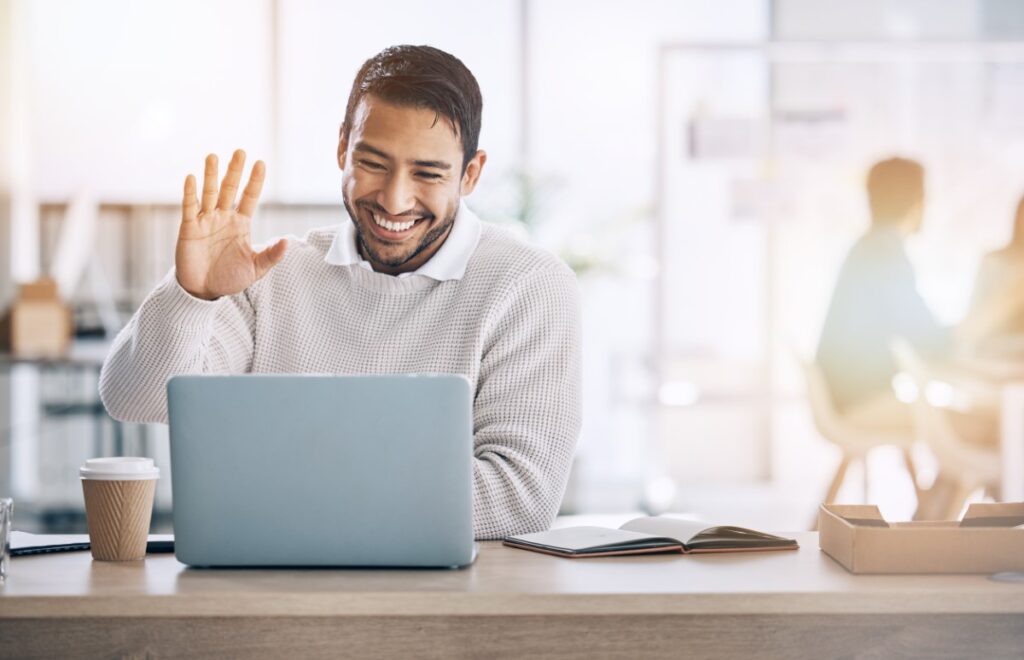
(24, 543)
(649, 535)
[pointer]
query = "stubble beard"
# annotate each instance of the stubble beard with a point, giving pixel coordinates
(395, 262)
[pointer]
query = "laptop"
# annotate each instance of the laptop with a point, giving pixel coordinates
(322, 470)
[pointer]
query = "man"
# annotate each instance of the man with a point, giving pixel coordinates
(875, 301)
(415, 283)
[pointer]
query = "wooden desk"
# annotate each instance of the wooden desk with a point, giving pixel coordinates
(510, 604)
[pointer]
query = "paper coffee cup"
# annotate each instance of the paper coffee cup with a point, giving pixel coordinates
(118, 505)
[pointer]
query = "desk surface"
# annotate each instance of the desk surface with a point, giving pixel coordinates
(502, 581)
(510, 604)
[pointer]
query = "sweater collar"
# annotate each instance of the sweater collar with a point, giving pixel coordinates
(448, 263)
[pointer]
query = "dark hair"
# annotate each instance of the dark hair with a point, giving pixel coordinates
(895, 186)
(422, 77)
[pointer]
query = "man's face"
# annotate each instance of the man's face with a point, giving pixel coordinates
(401, 181)
(912, 222)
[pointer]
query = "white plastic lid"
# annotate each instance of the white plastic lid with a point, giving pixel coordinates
(119, 468)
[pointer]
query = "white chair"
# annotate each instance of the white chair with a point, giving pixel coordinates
(967, 466)
(854, 441)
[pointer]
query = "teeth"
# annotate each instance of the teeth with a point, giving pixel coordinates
(392, 226)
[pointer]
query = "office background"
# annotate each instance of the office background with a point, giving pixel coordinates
(700, 164)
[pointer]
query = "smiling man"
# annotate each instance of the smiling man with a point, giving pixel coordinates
(414, 283)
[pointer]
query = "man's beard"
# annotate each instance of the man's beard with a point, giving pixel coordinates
(375, 257)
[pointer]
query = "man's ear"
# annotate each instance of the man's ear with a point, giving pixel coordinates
(342, 150)
(473, 170)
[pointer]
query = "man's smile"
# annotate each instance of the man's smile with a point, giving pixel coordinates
(392, 228)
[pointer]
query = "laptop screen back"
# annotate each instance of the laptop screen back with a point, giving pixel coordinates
(319, 470)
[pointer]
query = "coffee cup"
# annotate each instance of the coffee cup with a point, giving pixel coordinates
(118, 505)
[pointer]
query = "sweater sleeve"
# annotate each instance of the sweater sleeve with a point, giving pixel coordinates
(527, 408)
(173, 333)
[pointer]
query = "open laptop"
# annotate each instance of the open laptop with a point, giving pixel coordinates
(322, 470)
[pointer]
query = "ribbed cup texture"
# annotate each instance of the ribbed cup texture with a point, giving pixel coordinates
(118, 514)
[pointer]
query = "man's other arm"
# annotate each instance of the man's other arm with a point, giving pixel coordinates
(527, 408)
(913, 319)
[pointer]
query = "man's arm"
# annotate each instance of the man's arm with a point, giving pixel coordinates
(173, 333)
(199, 320)
(527, 408)
(911, 317)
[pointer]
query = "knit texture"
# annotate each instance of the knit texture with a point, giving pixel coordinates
(511, 325)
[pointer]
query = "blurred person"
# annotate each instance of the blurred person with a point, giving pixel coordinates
(991, 330)
(994, 323)
(411, 282)
(876, 300)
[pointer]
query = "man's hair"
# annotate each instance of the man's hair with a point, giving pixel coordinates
(422, 77)
(895, 186)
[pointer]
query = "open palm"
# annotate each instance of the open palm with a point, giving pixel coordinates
(214, 256)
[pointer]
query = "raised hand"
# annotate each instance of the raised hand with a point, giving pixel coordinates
(214, 255)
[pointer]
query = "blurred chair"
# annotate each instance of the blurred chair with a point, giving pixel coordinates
(964, 464)
(854, 441)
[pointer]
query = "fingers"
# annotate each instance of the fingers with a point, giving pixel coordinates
(270, 257)
(189, 203)
(224, 198)
(229, 187)
(251, 194)
(210, 183)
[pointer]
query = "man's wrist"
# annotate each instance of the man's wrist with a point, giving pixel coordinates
(194, 294)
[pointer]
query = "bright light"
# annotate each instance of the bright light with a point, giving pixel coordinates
(939, 394)
(643, 268)
(678, 393)
(659, 495)
(905, 388)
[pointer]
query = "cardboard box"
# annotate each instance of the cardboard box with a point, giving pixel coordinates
(38, 324)
(989, 539)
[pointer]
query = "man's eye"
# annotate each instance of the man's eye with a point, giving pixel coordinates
(428, 175)
(371, 165)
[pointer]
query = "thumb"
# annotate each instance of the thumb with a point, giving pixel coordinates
(270, 257)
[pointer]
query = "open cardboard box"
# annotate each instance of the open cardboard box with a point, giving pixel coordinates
(38, 324)
(989, 539)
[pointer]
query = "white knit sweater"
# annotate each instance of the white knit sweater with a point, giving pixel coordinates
(510, 324)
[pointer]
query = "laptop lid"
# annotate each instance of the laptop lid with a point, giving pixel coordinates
(322, 470)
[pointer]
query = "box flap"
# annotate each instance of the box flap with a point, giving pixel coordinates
(863, 515)
(42, 289)
(989, 539)
(981, 514)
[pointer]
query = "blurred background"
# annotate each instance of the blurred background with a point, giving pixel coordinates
(701, 164)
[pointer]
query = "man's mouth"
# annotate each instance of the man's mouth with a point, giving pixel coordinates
(394, 228)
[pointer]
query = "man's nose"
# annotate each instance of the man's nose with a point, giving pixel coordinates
(396, 196)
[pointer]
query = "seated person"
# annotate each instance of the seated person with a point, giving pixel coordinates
(994, 323)
(876, 300)
(414, 283)
(991, 331)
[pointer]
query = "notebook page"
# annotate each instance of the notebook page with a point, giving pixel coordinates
(675, 528)
(581, 538)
